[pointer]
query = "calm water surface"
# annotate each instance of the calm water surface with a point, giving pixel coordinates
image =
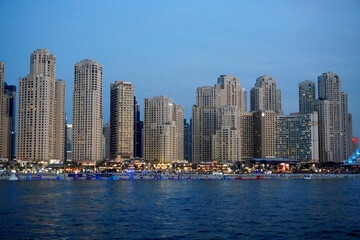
(273, 209)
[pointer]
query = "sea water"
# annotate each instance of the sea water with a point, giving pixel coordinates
(208, 209)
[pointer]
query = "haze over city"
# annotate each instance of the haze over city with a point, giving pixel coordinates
(171, 48)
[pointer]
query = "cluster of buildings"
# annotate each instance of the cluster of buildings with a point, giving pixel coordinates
(221, 129)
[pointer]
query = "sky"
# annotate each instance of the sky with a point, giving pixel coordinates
(172, 47)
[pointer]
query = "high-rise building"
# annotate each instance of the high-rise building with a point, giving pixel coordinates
(8, 124)
(163, 130)
(204, 123)
(226, 140)
(87, 111)
(138, 131)
(247, 135)
(122, 120)
(60, 120)
(68, 142)
(106, 141)
(307, 96)
(334, 120)
(297, 137)
(187, 140)
(40, 111)
(264, 134)
(227, 92)
(231, 93)
(2, 76)
(265, 95)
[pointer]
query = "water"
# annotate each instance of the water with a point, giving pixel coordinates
(273, 209)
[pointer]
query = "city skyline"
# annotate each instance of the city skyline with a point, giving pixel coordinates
(173, 48)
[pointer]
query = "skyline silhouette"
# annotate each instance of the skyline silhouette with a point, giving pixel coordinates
(171, 48)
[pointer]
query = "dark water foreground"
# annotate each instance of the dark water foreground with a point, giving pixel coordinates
(272, 209)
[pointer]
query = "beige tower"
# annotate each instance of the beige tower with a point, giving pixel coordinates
(121, 120)
(265, 95)
(163, 130)
(38, 136)
(60, 118)
(226, 140)
(87, 111)
(204, 123)
(335, 130)
(227, 92)
(231, 93)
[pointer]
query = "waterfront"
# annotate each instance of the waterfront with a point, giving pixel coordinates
(278, 209)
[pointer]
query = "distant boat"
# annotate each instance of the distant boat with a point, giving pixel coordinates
(306, 177)
(13, 177)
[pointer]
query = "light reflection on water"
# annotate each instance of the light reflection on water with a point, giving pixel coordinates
(280, 209)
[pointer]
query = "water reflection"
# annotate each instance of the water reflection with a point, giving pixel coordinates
(176, 209)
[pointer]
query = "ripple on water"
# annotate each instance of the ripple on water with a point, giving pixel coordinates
(180, 210)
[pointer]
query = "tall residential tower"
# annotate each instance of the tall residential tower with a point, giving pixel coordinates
(121, 120)
(163, 130)
(265, 95)
(334, 120)
(307, 96)
(227, 92)
(40, 111)
(87, 111)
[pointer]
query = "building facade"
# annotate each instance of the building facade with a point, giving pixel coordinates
(8, 123)
(335, 127)
(106, 141)
(227, 92)
(138, 131)
(264, 134)
(226, 140)
(121, 120)
(247, 135)
(187, 141)
(265, 95)
(307, 97)
(2, 79)
(163, 130)
(297, 137)
(68, 142)
(39, 139)
(87, 111)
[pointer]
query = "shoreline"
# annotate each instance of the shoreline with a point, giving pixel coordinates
(186, 176)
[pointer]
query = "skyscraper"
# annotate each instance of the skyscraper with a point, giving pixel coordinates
(106, 141)
(87, 111)
(163, 130)
(226, 140)
(264, 134)
(68, 142)
(265, 95)
(247, 135)
(122, 120)
(231, 93)
(8, 124)
(187, 140)
(60, 120)
(307, 96)
(2, 75)
(297, 137)
(334, 120)
(40, 110)
(204, 123)
(138, 131)
(227, 92)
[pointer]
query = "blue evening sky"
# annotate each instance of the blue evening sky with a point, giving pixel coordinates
(172, 47)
